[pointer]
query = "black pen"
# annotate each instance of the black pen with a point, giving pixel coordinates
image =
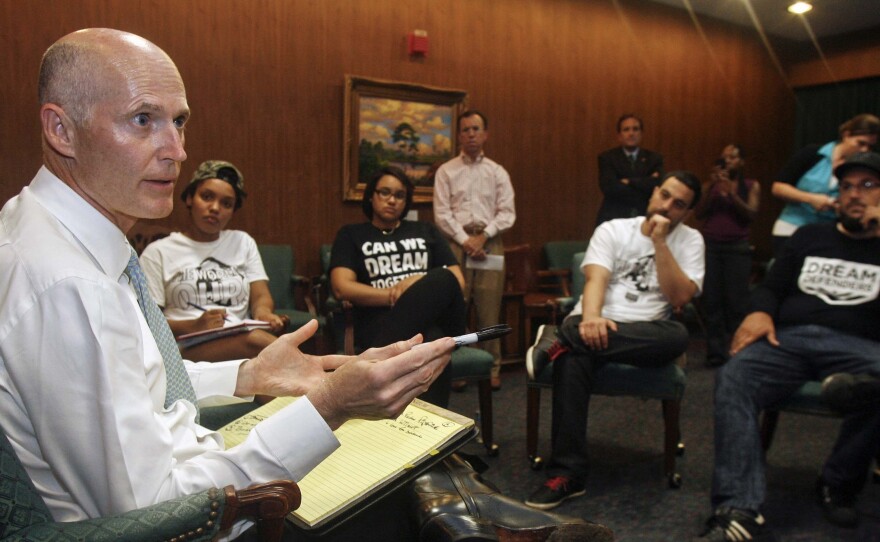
(485, 334)
(203, 309)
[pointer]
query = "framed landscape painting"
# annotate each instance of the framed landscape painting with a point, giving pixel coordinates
(406, 125)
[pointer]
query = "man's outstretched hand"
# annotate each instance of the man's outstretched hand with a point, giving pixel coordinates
(377, 384)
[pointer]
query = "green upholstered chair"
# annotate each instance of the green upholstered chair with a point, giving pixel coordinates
(474, 364)
(469, 364)
(524, 287)
(666, 384)
(558, 255)
(199, 517)
(543, 294)
(806, 400)
(290, 290)
(328, 306)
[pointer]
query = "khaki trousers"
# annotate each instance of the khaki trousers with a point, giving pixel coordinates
(484, 289)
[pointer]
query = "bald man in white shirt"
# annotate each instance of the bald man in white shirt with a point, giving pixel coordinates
(84, 386)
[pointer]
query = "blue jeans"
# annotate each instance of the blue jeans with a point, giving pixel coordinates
(763, 376)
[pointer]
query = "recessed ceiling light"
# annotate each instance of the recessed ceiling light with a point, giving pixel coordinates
(799, 8)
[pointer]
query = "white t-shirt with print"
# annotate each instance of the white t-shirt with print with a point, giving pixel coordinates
(633, 293)
(213, 275)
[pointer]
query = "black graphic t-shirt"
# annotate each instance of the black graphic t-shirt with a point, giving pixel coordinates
(384, 260)
(825, 278)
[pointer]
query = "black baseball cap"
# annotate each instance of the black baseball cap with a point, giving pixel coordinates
(864, 160)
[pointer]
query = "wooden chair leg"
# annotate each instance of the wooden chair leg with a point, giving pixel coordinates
(485, 394)
(769, 420)
(672, 438)
(533, 411)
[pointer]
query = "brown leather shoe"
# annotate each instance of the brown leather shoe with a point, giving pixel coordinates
(495, 381)
(459, 385)
(452, 502)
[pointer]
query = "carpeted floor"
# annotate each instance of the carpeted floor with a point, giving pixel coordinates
(627, 490)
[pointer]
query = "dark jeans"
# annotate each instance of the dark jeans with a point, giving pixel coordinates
(725, 293)
(762, 376)
(641, 344)
(434, 306)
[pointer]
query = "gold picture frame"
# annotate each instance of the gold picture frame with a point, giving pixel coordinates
(408, 125)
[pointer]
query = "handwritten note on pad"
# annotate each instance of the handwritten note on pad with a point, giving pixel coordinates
(372, 454)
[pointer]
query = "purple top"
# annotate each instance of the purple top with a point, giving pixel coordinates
(724, 224)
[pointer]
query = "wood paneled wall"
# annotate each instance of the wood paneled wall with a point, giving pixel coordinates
(838, 65)
(265, 84)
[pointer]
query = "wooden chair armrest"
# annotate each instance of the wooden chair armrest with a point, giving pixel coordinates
(561, 280)
(321, 290)
(303, 286)
(195, 518)
(552, 273)
(268, 504)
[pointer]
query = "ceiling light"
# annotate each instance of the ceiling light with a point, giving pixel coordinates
(799, 8)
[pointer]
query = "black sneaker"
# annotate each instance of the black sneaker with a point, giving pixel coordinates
(844, 392)
(554, 491)
(838, 506)
(546, 349)
(733, 525)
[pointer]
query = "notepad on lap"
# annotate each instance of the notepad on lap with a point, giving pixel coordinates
(198, 337)
(375, 457)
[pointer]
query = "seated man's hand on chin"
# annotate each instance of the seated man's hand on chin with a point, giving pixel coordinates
(379, 383)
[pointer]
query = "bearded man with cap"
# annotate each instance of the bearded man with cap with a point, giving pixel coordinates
(816, 314)
(206, 276)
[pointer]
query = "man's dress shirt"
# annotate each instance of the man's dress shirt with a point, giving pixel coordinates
(473, 194)
(82, 383)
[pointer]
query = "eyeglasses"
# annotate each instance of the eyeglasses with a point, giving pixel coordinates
(863, 187)
(386, 193)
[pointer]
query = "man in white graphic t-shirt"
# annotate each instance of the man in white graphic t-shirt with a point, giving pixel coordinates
(638, 271)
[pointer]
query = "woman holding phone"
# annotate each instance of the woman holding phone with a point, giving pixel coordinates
(729, 204)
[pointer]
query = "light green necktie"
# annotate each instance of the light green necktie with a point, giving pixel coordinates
(178, 385)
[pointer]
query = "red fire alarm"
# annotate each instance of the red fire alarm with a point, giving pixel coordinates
(417, 42)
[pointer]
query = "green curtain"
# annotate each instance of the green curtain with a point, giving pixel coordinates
(822, 108)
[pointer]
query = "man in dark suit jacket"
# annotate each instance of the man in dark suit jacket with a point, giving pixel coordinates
(627, 174)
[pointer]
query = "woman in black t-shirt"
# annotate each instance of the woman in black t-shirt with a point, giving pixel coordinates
(400, 275)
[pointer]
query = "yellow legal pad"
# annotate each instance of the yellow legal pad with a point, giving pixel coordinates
(372, 455)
